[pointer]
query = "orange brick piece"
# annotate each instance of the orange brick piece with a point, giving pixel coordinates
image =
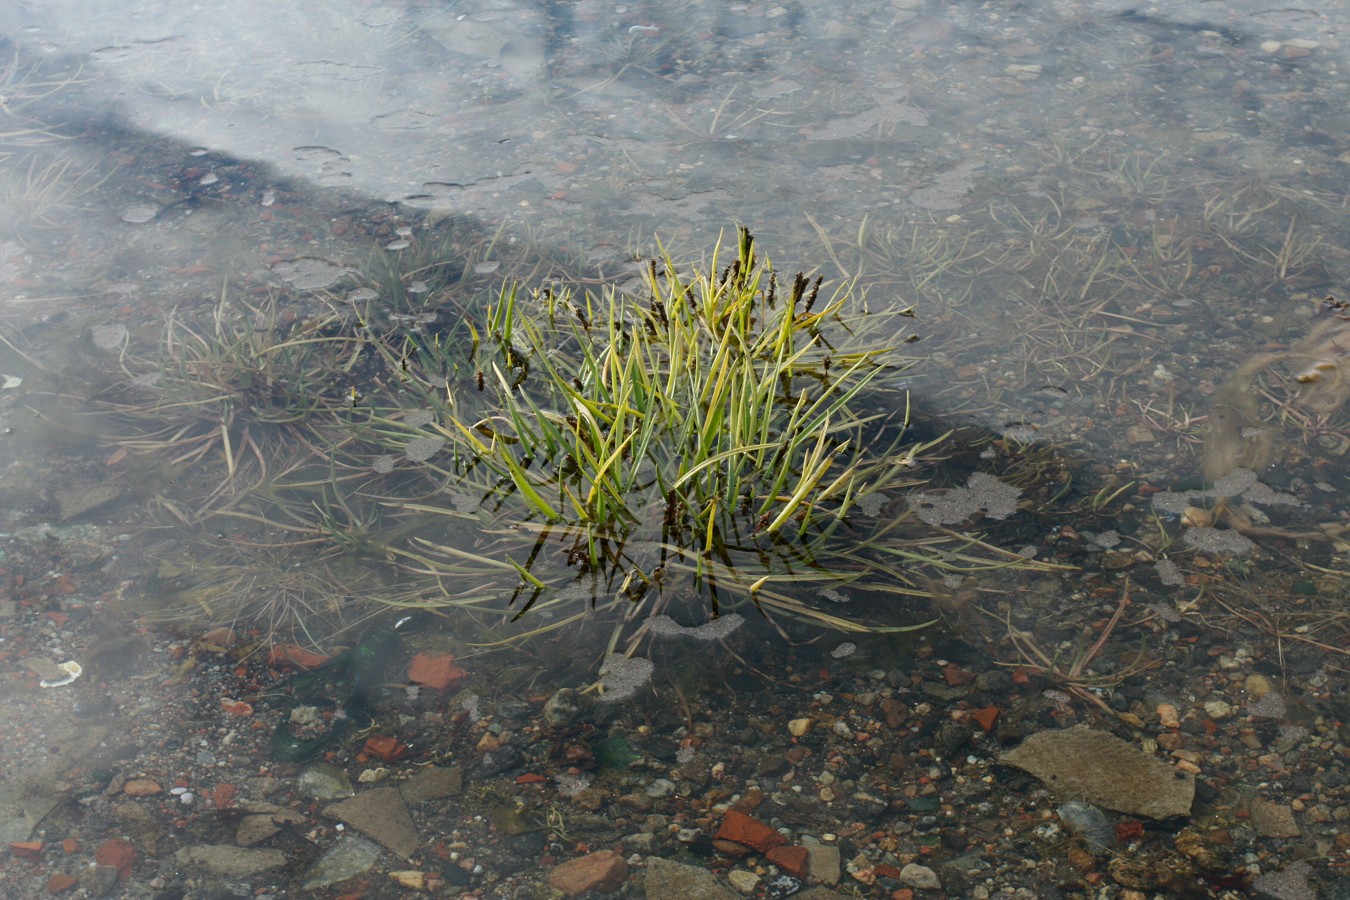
(742, 829)
(437, 672)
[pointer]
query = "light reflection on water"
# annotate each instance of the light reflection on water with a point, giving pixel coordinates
(1098, 214)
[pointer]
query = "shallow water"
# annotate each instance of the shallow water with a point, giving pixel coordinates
(1117, 229)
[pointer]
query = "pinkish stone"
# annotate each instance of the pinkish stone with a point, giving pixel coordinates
(603, 871)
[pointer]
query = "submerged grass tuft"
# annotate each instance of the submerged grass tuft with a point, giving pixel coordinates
(251, 382)
(723, 439)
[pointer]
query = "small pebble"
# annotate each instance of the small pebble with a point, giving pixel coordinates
(1257, 686)
(1167, 716)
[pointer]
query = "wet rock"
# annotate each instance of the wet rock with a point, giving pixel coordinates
(945, 692)
(495, 762)
(324, 781)
(862, 870)
(412, 879)
(432, 783)
(1273, 819)
(994, 681)
(1257, 686)
(254, 830)
(1084, 764)
(76, 501)
(381, 815)
(666, 880)
(824, 862)
(603, 871)
(921, 877)
(743, 881)
(741, 829)
(1133, 874)
(141, 823)
(98, 881)
(348, 857)
(141, 787)
(950, 737)
(1202, 851)
(1288, 884)
(562, 709)
(229, 861)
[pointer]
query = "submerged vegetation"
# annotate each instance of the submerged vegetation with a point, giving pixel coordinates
(721, 441)
(707, 440)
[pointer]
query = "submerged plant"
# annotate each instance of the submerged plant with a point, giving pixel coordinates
(725, 439)
(252, 380)
(1075, 675)
(268, 593)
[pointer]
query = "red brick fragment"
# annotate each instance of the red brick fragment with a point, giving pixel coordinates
(384, 747)
(223, 795)
(748, 832)
(60, 882)
(30, 850)
(116, 853)
(956, 676)
(603, 871)
(437, 672)
(1129, 831)
(986, 717)
(294, 656)
(791, 860)
(234, 707)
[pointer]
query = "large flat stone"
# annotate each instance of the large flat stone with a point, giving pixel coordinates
(1084, 764)
(432, 783)
(230, 861)
(348, 857)
(381, 815)
(666, 880)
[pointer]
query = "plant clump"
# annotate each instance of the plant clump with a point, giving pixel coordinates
(717, 443)
(723, 439)
(252, 384)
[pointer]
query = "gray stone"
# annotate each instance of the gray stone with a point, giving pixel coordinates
(947, 692)
(1099, 768)
(228, 860)
(666, 880)
(254, 830)
(562, 709)
(822, 861)
(324, 781)
(660, 787)
(921, 877)
(1273, 819)
(348, 857)
(743, 881)
(282, 815)
(382, 815)
(640, 842)
(432, 783)
(98, 881)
